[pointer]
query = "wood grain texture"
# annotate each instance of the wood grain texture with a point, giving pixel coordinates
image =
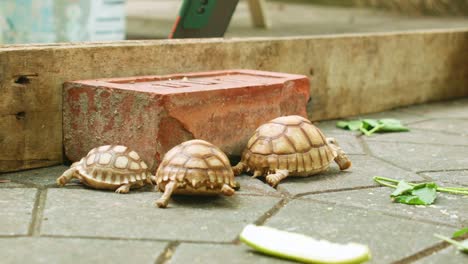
(350, 75)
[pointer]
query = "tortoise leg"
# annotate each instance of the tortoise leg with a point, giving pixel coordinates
(257, 173)
(275, 178)
(341, 158)
(124, 188)
(152, 179)
(227, 190)
(239, 168)
(66, 176)
(164, 200)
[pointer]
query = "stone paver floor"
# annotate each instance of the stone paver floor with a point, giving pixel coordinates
(40, 223)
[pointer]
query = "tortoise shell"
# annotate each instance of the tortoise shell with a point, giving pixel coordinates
(290, 143)
(197, 166)
(110, 167)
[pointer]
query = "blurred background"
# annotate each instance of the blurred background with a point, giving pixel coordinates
(47, 21)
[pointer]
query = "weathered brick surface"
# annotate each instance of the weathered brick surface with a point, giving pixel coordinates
(154, 113)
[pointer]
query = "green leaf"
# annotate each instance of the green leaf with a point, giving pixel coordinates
(342, 124)
(464, 246)
(392, 125)
(370, 123)
(352, 125)
(426, 194)
(420, 194)
(370, 126)
(402, 187)
(409, 199)
(460, 232)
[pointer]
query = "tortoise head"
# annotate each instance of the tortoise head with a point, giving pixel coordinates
(341, 158)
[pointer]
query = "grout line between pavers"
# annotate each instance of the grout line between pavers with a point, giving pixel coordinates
(300, 195)
(37, 213)
(267, 215)
(167, 253)
(417, 143)
(364, 145)
(438, 131)
(423, 220)
(394, 164)
(447, 170)
(367, 149)
(13, 236)
(427, 251)
(274, 210)
(138, 239)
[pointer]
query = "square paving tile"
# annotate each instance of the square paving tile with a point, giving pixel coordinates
(447, 209)
(448, 109)
(455, 126)
(350, 144)
(61, 250)
(16, 207)
(44, 177)
(10, 184)
(421, 137)
(251, 186)
(404, 117)
(451, 178)
(389, 238)
(420, 157)
(360, 174)
(215, 254)
(80, 212)
(449, 255)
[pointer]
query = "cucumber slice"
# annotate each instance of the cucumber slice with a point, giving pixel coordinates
(302, 248)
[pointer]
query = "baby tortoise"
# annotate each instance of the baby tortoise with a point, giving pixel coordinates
(194, 167)
(289, 146)
(110, 167)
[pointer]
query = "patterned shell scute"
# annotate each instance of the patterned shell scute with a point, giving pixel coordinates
(196, 163)
(114, 164)
(288, 142)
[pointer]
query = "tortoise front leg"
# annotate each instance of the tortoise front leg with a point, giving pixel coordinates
(227, 190)
(164, 200)
(66, 176)
(124, 188)
(275, 178)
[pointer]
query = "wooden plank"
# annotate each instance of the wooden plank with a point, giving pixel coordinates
(350, 75)
(258, 13)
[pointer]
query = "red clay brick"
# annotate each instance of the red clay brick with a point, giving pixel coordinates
(151, 114)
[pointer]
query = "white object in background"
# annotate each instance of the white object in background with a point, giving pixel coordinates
(45, 21)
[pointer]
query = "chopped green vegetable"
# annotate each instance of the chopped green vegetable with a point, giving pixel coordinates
(462, 246)
(302, 248)
(401, 188)
(388, 182)
(371, 126)
(392, 125)
(421, 194)
(460, 232)
(351, 125)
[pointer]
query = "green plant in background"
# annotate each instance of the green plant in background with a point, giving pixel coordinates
(371, 126)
